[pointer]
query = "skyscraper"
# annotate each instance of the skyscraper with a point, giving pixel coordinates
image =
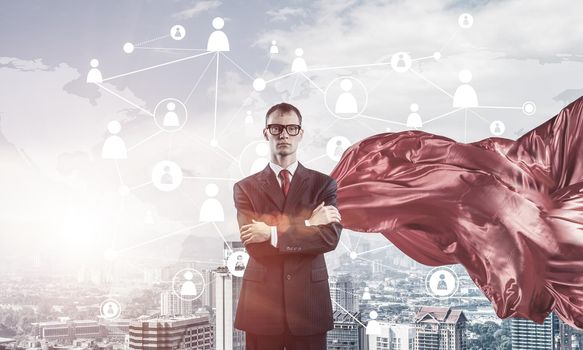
(208, 295)
(342, 293)
(236, 283)
(227, 289)
(172, 305)
(553, 334)
(439, 328)
(348, 332)
(224, 325)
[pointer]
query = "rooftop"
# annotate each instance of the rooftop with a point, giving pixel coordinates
(431, 314)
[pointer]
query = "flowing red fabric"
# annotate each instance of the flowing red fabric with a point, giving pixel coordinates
(511, 212)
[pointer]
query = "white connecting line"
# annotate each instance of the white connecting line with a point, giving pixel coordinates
(162, 237)
(157, 66)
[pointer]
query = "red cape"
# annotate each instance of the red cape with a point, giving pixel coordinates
(511, 212)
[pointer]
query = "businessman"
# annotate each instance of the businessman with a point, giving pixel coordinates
(287, 219)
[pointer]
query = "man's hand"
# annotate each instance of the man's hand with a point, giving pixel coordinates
(324, 215)
(256, 232)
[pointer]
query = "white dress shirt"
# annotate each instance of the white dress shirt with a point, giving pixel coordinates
(276, 169)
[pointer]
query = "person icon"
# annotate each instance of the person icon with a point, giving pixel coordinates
(497, 128)
(465, 20)
(239, 265)
(248, 118)
(465, 96)
(114, 147)
(211, 210)
(273, 49)
(414, 119)
(218, 40)
(170, 114)
(299, 63)
(401, 61)
(167, 178)
(177, 32)
(94, 75)
(261, 162)
(373, 327)
(171, 118)
(336, 146)
(188, 288)
(442, 284)
(110, 310)
(237, 262)
(346, 103)
(366, 294)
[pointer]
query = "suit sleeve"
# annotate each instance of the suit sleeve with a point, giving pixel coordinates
(294, 237)
(244, 215)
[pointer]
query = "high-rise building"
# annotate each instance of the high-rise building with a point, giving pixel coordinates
(392, 336)
(439, 328)
(577, 340)
(224, 312)
(528, 335)
(168, 333)
(237, 282)
(172, 305)
(208, 295)
(227, 289)
(342, 294)
(566, 337)
(348, 333)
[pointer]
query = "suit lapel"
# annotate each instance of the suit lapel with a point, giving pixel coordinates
(271, 187)
(296, 187)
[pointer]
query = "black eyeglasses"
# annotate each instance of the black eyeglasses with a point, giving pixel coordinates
(276, 129)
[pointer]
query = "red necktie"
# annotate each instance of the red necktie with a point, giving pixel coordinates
(284, 176)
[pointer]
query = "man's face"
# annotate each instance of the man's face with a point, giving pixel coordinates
(283, 144)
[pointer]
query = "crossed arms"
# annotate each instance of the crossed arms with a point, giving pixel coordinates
(293, 235)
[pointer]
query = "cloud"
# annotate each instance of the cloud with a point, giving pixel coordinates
(285, 13)
(511, 50)
(198, 8)
(23, 65)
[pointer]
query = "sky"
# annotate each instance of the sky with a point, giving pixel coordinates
(59, 197)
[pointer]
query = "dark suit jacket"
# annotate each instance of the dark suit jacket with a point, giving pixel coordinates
(289, 282)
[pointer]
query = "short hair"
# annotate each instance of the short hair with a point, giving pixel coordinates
(283, 108)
